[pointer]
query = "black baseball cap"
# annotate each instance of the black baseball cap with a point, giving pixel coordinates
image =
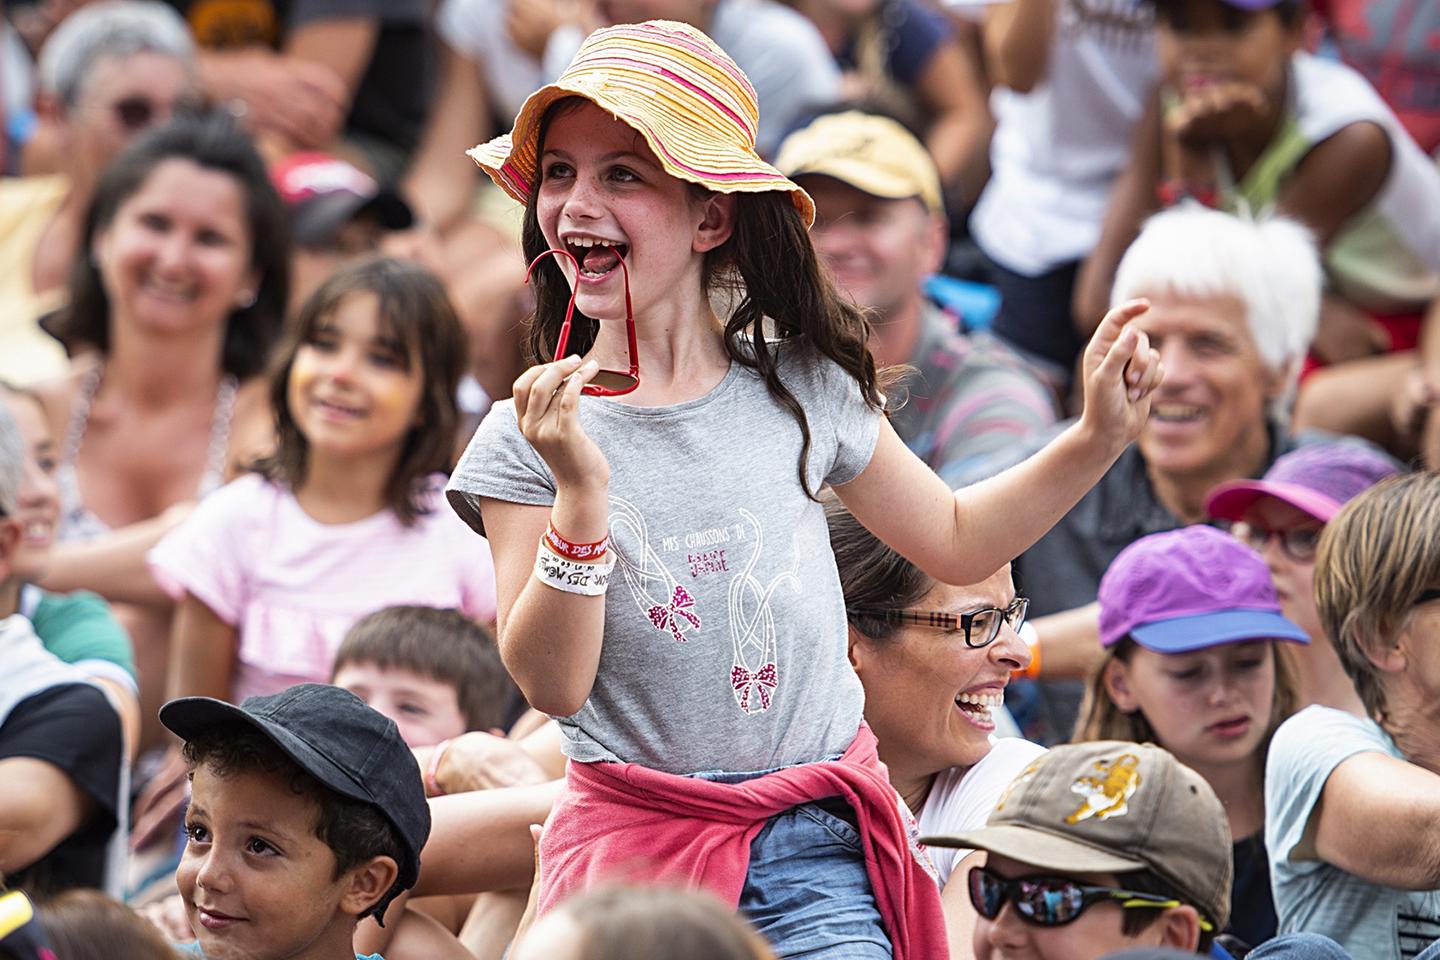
(332, 735)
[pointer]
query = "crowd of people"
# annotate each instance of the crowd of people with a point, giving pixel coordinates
(720, 479)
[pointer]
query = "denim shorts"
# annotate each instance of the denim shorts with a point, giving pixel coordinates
(807, 891)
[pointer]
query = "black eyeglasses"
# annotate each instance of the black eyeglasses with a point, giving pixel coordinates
(1299, 543)
(980, 627)
(1427, 596)
(1054, 901)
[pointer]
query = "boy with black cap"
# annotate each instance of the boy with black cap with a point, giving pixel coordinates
(1098, 847)
(307, 813)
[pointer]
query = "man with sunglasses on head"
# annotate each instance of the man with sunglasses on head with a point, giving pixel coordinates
(1099, 847)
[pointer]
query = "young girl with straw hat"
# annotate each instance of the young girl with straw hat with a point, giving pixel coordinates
(681, 615)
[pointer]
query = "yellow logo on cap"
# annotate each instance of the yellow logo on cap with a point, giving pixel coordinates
(1025, 776)
(1105, 795)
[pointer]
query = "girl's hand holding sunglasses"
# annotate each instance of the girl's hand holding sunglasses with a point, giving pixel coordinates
(547, 406)
(547, 396)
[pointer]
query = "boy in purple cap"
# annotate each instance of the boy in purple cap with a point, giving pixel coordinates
(1280, 516)
(1189, 620)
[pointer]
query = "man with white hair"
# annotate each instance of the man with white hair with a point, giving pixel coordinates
(109, 72)
(1233, 307)
(61, 745)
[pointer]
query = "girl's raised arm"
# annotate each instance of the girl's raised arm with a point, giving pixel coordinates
(965, 536)
(550, 639)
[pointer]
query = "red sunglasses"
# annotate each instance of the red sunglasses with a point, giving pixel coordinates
(606, 383)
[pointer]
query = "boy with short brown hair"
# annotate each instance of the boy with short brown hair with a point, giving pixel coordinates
(307, 814)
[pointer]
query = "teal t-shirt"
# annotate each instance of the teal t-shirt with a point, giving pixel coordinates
(79, 627)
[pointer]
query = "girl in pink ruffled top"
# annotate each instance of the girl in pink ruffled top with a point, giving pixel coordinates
(346, 517)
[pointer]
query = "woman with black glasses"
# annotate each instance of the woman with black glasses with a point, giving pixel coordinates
(934, 660)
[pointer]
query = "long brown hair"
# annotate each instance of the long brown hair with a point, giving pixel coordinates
(212, 142)
(872, 574)
(1101, 719)
(416, 313)
(768, 268)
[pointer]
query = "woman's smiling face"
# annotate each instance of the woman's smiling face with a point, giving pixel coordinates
(929, 696)
(177, 255)
(39, 507)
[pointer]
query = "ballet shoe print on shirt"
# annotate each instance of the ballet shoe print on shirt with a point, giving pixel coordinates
(754, 673)
(760, 683)
(678, 610)
(647, 572)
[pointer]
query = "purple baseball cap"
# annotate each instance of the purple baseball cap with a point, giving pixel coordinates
(1318, 479)
(1189, 589)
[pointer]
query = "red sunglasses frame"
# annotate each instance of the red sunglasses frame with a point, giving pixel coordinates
(627, 381)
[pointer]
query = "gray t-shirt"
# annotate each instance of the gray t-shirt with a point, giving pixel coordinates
(1371, 921)
(725, 640)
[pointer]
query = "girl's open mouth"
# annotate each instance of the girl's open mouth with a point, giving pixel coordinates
(597, 258)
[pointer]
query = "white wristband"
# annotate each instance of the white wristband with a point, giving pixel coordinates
(572, 576)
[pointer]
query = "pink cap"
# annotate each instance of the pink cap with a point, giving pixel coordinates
(1318, 479)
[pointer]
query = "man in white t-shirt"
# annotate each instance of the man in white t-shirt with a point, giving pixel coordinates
(880, 228)
(61, 744)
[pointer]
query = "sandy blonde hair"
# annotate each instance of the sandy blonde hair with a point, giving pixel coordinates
(1379, 553)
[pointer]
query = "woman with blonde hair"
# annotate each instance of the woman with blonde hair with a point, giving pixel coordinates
(1189, 620)
(1353, 803)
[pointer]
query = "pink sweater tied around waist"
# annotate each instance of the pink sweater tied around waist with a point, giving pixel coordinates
(621, 822)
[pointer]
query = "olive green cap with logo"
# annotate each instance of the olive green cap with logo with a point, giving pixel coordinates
(1114, 807)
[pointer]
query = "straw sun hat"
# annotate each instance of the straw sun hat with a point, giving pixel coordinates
(668, 81)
